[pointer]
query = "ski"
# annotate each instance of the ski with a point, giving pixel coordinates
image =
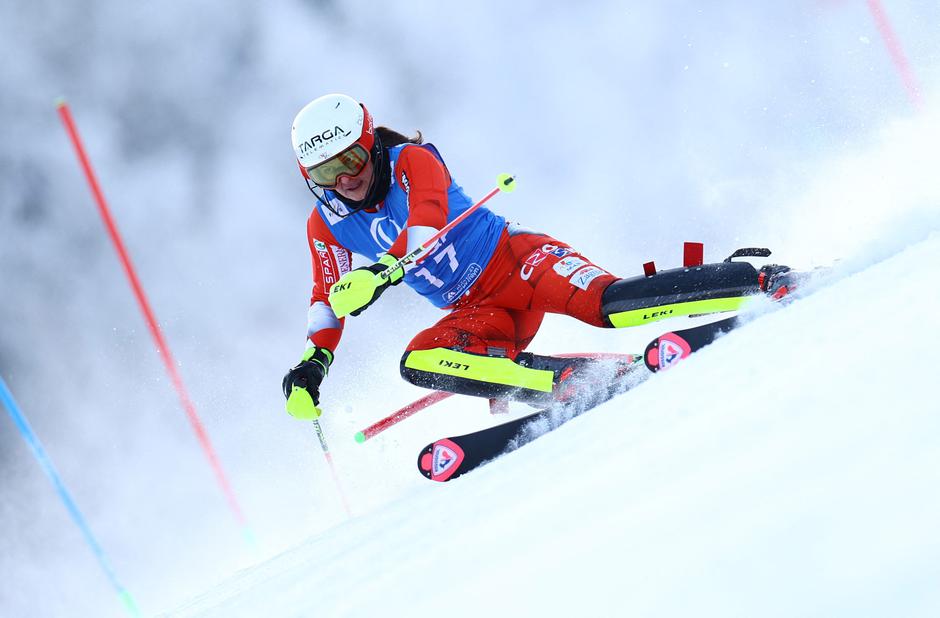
(448, 458)
(670, 348)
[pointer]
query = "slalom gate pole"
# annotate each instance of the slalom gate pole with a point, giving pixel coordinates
(329, 461)
(401, 414)
(66, 115)
(896, 52)
(504, 182)
(26, 431)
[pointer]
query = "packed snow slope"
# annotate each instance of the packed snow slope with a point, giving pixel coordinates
(790, 469)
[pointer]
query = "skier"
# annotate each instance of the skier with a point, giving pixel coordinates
(381, 194)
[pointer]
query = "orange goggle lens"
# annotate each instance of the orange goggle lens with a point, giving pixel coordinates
(349, 162)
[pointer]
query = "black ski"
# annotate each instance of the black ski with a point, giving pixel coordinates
(448, 458)
(672, 347)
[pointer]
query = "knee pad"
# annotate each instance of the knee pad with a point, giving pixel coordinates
(709, 288)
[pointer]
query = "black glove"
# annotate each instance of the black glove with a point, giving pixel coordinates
(308, 374)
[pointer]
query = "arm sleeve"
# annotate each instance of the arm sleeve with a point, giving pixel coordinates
(331, 261)
(425, 180)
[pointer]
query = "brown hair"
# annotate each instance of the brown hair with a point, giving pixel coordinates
(390, 137)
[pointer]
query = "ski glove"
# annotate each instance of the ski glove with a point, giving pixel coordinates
(301, 385)
(359, 288)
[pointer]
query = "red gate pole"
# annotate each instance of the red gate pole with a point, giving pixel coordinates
(162, 347)
(896, 52)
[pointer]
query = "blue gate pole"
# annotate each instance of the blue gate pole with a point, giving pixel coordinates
(30, 437)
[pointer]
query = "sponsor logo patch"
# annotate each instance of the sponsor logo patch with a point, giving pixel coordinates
(342, 260)
(384, 231)
(568, 265)
(469, 277)
(322, 139)
(443, 459)
(669, 354)
(405, 183)
(583, 278)
(332, 217)
(672, 349)
(536, 258)
(556, 251)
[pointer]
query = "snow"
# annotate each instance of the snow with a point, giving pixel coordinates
(796, 470)
(789, 469)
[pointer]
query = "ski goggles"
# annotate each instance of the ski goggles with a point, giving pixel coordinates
(350, 162)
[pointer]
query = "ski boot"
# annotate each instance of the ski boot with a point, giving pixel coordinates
(777, 281)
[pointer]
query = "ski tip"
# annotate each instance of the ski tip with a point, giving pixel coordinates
(425, 463)
(441, 461)
(360, 437)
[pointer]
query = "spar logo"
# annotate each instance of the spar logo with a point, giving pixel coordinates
(323, 256)
(322, 139)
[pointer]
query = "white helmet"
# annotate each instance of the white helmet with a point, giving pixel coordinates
(332, 136)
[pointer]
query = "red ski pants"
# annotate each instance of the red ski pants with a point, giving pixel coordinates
(529, 275)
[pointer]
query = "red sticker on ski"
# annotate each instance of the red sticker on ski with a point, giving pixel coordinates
(443, 460)
(672, 349)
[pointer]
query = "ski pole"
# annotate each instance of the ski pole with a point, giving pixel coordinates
(66, 115)
(504, 182)
(401, 414)
(329, 461)
(22, 424)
